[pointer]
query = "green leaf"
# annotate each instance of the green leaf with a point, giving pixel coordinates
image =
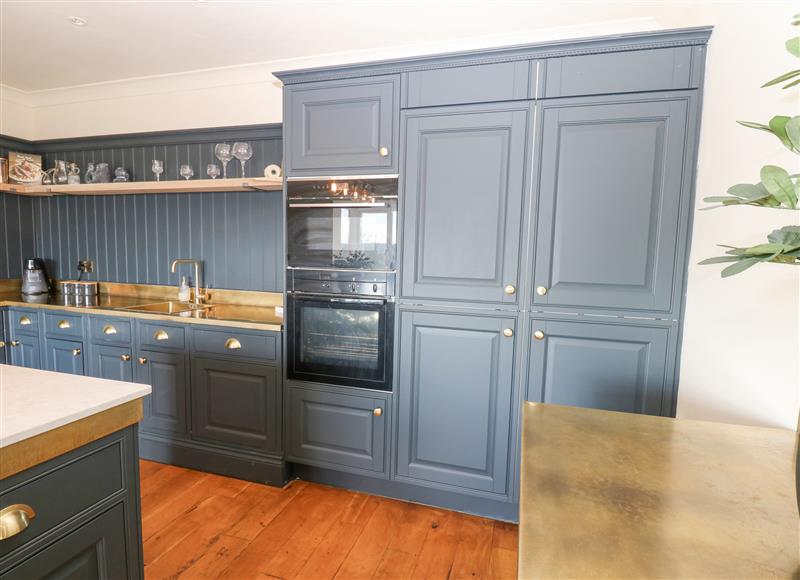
(777, 181)
(787, 235)
(754, 125)
(748, 191)
(793, 46)
(720, 260)
(769, 249)
(792, 84)
(783, 77)
(739, 267)
(778, 126)
(793, 132)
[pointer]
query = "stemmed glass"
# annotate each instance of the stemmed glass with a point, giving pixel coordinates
(212, 170)
(223, 152)
(242, 152)
(187, 172)
(158, 168)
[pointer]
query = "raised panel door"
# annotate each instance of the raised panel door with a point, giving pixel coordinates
(165, 407)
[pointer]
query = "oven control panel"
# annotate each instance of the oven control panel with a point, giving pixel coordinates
(344, 282)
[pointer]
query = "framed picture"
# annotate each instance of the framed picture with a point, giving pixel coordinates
(24, 168)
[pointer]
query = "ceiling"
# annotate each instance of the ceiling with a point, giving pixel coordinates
(40, 49)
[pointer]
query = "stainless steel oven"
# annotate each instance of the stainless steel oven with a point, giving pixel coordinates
(340, 327)
(343, 222)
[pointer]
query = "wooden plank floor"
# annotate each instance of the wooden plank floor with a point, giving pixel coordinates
(201, 525)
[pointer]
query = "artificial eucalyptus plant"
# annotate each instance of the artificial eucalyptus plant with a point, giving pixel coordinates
(778, 189)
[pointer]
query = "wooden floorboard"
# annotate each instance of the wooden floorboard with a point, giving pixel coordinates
(201, 525)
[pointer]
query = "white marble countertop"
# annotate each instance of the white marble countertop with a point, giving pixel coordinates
(34, 402)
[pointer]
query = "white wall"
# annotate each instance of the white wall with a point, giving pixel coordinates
(741, 348)
(16, 113)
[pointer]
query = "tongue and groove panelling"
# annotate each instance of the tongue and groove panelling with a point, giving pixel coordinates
(133, 238)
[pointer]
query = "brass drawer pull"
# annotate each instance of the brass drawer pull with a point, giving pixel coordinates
(510, 289)
(14, 519)
(377, 412)
(109, 329)
(64, 324)
(538, 335)
(233, 344)
(508, 332)
(15, 343)
(142, 360)
(76, 352)
(2, 344)
(541, 290)
(124, 357)
(161, 335)
(24, 321)
(383, 151)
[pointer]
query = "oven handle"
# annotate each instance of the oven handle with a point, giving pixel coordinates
(329, 298)
(342, 205)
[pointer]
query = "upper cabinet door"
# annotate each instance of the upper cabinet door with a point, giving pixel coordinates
(463, 202)
(342, 125)
(610, 190)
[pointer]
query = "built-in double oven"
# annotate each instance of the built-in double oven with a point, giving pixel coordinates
(342, 252)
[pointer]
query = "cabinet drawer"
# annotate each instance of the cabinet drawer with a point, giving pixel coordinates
(241, 345)
(156, 335)
(23, 321)
(337, 430)
(111, 330)
(63, 324)
(76, 485)
(505, 81)
(621, 72)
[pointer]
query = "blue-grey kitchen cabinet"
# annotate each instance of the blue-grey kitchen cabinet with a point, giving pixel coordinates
(24, 339)
(611, 187)
(236, 403)
(3, 344)
(112, 362)
(612, 366)
(64, 356)
(338, 430)
(455, 401)
(464, 173)
(165, 409)
(342, 126)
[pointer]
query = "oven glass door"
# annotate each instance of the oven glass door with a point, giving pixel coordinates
(340, 341)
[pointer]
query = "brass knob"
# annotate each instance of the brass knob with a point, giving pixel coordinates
(76, 352)
(64, 324)
(2, 344)
(377, 412)
(24, 321)
(142, 360)
(124, 357)
(14, 519)
(233, 344)
(541, 290)
(383, 151)
(509, 289)
(508, 332)
(538, 335)
(15, 343)
(109, 329)
(161, 335)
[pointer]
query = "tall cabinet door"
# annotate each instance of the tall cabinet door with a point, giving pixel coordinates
(610, 190)
(165, 407)
(463, 193)
(455, 400)
(615, 367)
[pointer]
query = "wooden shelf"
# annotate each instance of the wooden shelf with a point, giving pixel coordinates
(134, 187)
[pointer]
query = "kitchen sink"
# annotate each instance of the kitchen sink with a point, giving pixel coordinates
(177, 308)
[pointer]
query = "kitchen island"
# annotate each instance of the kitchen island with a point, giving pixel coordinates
(69, 475)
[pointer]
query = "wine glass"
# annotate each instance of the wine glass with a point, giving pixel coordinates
(187, 172)
(242, 152)
(223, 152)
(212, 170)
(158, 168)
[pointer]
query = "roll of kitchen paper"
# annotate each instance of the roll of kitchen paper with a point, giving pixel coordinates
(272, 171)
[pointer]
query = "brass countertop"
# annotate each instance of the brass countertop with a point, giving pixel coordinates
(231, 315)
(621, 495)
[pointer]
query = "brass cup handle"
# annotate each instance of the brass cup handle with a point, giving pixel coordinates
(124, 357)
(2, 344)
(24, 321)
(383, 151)
(509, 332)
(64, 324)
(109, 329)
(538, 335)
(377, 412)
(15, 343)
(233, 344)
(541, 290)
(510, 289)
(76, 352)
(161, 335)
(142, 360)
(14, 519)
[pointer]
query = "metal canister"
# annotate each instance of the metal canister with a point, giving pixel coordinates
(87, 288)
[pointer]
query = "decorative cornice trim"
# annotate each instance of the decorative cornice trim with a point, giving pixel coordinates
(179, 137)
(550, 49)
